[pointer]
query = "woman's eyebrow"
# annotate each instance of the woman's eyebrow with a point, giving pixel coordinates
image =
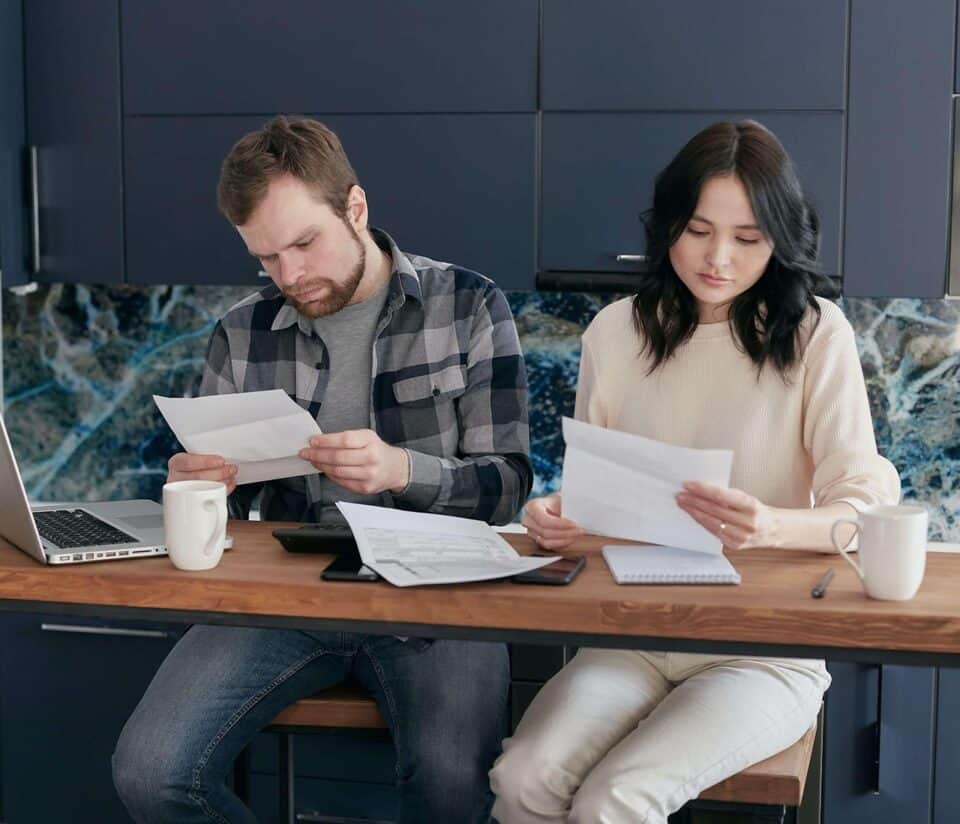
(710, 222)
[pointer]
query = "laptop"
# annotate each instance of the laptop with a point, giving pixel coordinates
(74, 533)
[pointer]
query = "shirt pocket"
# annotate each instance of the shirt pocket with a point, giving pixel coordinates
(445, 384)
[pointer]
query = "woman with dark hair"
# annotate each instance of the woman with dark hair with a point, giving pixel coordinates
(725, 345)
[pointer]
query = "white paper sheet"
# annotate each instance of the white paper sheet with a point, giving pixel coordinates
(623, 485)
(411, 548)
(261, 432)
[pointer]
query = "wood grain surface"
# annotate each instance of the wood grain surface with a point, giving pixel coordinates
(772, 605)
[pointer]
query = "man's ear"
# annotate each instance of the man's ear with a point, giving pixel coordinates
(357, 212)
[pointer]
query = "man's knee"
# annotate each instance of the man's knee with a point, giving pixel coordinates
(147, 782)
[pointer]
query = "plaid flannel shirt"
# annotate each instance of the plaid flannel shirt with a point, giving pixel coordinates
(448, 384)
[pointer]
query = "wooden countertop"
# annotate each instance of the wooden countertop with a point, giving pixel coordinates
(257, 578)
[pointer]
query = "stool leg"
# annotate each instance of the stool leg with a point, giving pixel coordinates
(241, 775)
(769, 814)
(286, 774)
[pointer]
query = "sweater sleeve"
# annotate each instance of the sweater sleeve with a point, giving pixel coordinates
(589, 405)
(837, 427)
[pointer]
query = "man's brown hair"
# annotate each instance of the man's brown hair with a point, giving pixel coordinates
(298, 146)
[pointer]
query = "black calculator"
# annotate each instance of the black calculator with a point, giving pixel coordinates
(331, 539)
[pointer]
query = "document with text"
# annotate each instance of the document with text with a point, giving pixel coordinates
(261, 432)
(623, 485)
(411, 548)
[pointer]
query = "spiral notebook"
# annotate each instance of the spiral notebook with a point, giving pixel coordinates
(667, 565)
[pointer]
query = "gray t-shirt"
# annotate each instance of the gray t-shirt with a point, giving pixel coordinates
(348, 337)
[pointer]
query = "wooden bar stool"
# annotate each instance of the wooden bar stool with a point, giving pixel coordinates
(343, 706)
(768, 792)
(771, 786)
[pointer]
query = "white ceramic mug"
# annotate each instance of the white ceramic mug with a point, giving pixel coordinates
(893, 550)
(195, 522)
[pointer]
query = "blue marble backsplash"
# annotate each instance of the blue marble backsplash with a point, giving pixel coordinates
(80, 364)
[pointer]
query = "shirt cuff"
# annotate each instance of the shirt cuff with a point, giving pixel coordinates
(423, 488)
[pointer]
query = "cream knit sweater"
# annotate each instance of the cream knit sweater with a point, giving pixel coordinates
(805, 443)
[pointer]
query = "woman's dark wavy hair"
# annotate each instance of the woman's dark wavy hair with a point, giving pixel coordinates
(765, 320)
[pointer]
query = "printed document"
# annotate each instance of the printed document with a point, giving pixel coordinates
(261, 432)
(623, 485)
(410, 548)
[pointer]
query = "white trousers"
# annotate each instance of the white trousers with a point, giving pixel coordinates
(625, 737)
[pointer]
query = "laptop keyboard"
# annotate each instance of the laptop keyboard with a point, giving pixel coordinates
(67, 528)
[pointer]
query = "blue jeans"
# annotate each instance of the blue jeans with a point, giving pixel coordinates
(444, 702)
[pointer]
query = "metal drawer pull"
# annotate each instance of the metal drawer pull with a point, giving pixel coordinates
(84, 630)
(631, 258)
(34, 212)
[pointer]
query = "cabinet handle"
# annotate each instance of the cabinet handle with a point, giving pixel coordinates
(34, 211)
(122, 631)
(878, 734)
(262, 274)
(631, 258)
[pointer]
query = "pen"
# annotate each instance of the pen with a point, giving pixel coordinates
(821, 587)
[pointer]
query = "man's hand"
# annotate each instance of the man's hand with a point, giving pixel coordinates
(186, 466)
(360, 461)
(547, 526)
(737, 518)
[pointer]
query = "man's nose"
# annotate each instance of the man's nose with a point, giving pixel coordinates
(289, 269)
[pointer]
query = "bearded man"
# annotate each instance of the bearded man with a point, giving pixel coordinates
(413, 371)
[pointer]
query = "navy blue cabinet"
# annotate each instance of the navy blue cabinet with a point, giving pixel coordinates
(878, 745)
(599, 170)
(693, 55)
(452, 187)
(68, 687)
(236, 57)
(13, 249)
(946, 801)
(898, 148)
(441, 105)
(339, 773)
(73, 122)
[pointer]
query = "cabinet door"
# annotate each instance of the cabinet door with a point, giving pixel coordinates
(66, 694)
(339, 772)
(946, 802)
(599, 169)
(13, 253)
(451, 187)
(898, 148)
(238, 57)
(878, 744)
(73, 120)
(693, 54)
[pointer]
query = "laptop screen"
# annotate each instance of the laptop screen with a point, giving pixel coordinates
(16, 520)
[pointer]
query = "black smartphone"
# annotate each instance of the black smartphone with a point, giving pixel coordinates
(558, 573)
(348, 567)
(329, 538)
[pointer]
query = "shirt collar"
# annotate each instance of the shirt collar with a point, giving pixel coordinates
(404, 283)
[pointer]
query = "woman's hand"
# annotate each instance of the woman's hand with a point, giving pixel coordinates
(548, 528)
(738, 519)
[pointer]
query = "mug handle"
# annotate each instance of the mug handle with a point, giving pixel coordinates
(843, 549)
(211, 546)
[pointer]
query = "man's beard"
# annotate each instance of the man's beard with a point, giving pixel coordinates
(338, 294)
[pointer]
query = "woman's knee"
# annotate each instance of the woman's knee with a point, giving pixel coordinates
(616, 801)
(530, 787)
